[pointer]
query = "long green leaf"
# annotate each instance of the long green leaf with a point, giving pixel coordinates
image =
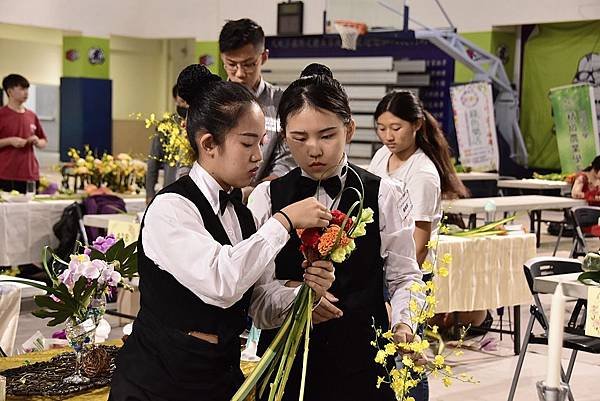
(306, 341)
(289, 342)
(264, 363)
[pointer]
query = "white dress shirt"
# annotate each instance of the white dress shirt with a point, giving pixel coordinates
(175, 238)
(270, 297)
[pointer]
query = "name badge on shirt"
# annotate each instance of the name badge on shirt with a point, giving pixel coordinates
(405, 206)
(272, 124)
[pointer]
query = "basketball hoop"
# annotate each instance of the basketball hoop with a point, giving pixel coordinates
(349, 32)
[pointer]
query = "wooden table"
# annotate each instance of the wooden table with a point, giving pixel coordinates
(533, 204)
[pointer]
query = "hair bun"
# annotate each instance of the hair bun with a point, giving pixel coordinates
(316, 69)
(193, 80)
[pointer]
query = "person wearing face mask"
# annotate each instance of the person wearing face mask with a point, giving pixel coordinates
(200, 253)
(157, 154)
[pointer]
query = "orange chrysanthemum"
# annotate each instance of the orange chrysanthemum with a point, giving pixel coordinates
(329, 237)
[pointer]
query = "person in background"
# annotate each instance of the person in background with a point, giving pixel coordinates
(416, 154)
(20, 132)
(156, 156)
(242, 47)
(587, 184)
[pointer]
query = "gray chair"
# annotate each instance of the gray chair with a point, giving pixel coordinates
(574, 337)
(583, 216)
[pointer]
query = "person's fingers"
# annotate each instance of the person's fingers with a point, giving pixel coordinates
(323, 264)
(330, 297)
(330, 308)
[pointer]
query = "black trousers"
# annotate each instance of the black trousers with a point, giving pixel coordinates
(122, 389)
(11, 185)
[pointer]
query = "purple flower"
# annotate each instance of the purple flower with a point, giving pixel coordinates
(103, 244)
(109, 276)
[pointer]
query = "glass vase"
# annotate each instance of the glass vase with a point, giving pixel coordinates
(97, 308)
(79, 335)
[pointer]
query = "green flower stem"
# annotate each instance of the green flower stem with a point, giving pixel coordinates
(306, 341)
(264, 363)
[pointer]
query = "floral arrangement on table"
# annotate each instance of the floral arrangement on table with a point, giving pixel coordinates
(415, 364)
(334, 242)
(173, 138)
(493, 228)
(120, 173)
(570, 177)
(77, 295)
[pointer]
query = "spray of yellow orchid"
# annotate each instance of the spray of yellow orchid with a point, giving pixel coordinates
(402, 379)
(172, 136)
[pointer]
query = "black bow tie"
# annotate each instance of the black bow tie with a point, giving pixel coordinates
(235, 197)
(308, 186)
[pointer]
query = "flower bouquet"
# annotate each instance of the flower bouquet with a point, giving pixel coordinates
(120, 173)
(334, 242)
(173, 138)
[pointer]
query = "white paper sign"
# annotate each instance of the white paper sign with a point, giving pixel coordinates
(475, 126)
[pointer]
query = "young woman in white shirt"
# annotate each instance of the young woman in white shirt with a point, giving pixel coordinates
(199, 254)
(316, 120)
(417, 154)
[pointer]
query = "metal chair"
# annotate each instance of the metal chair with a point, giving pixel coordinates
(583, 216)
(574, 339)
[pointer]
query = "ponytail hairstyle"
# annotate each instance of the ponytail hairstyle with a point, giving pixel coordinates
(214, 105)
(430, 138)
(315, 88)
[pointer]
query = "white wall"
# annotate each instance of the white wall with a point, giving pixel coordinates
(203, 19)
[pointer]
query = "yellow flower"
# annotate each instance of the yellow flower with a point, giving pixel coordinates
(430, 286)
(434, 329)
(380, 357)
(443, 272)
(427, 267)
(447, 259)
(390, 348)
(444, 230)
(448, 369)
(407, 361)
(447, 382)
(431, 244)
(415, 287)
(388, 335)
(379, 381)
(410, 399)
(458, 352)
(438, 361)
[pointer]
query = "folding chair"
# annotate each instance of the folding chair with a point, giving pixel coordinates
(574, 339)
(583, 217)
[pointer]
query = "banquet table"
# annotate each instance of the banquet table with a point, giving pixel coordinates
(26, 227)
(10, 306)
(534, 204)
(100, 394)
(485, 273)
(535, 184)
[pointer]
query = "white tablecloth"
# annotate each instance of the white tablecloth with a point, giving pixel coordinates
(25, 228)
(10, 306)
(486, 272)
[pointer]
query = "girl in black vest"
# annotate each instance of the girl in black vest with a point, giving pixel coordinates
(316, 120)
(200, 254)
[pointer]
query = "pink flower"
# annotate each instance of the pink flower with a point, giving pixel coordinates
(103, 244)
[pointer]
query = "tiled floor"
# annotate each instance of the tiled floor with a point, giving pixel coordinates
(493, 369)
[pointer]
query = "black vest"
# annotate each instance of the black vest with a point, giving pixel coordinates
(159, 356)
(339, 347)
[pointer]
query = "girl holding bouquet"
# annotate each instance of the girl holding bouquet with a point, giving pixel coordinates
(317, 124)
(200, 254)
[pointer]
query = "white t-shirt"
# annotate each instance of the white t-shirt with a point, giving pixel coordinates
(422, 182)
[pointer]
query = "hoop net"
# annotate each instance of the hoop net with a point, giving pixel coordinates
(349, 32)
